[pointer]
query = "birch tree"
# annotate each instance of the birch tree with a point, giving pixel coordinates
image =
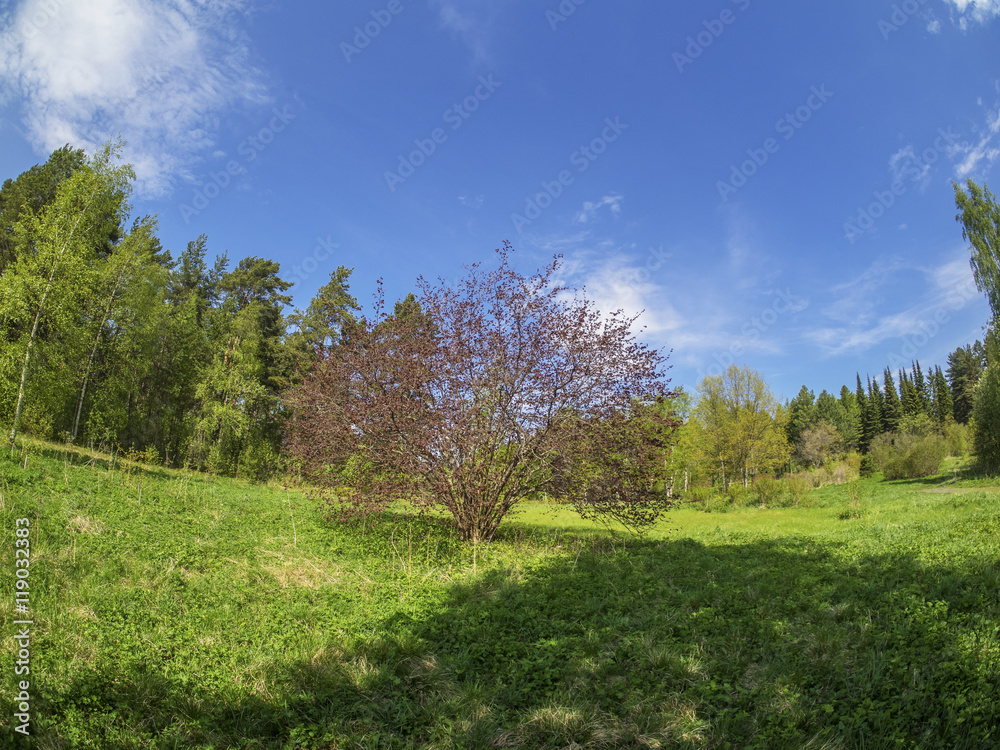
(55, 266)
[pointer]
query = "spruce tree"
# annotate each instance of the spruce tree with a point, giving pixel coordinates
(908, 396)
(963, 373)
(943, 408)
(923, 389)
(876, 407)
(892, 415)
(863, 418)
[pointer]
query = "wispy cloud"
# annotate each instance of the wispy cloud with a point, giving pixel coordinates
(949, 287)
(157, 73)
(471, 21)
(590, 208)
(974, 11)
(984, 151)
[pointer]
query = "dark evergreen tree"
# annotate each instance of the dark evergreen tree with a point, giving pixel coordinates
(908, 396)
(864, 420)
(964, 368)
(801, 415)
(852, 428)
(876, 406)
(943, 409)
(922, 387)
(892, 414)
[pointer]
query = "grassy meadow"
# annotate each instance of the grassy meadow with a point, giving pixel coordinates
(176, 610)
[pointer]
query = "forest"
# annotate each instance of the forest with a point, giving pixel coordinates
(110, 341)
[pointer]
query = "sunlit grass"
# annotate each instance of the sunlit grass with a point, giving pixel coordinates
(214, 613)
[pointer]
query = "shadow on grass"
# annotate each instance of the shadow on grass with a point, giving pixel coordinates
(768, 644)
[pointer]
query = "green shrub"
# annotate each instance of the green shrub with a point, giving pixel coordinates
(907, 456)
(768, 491)
(867, 466)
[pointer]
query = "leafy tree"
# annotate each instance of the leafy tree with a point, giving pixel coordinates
(979, 215)
(240, 422)
(49, 281)
(30, 193)
(513, 390)
(986, 418)
(743, 424)
(819, 443)
(321, 325)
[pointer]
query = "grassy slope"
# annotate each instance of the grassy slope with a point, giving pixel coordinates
(210, 613)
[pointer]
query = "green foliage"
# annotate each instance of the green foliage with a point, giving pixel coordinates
(869, 466)
(979, 215)
(907, 456)
(986, 418)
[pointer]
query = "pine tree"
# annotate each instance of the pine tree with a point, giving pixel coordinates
(923, 390)
(964, 368)
(943, 408)
(849, 403)
(876, 407)
(892, 415)
(908, 396)
(863, 421)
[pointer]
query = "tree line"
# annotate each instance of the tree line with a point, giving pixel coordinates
(107, 339)
(468, 398)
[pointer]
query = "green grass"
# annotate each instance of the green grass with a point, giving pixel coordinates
(212, 614)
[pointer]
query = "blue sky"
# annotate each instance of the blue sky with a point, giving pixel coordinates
(770, 183)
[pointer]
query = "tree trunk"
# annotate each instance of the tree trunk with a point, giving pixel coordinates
(90, 359)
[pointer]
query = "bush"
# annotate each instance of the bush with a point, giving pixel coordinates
(797, 488)
(903, 456)
(700, 495)
(957, 437)
(867, 466)
(768, 491)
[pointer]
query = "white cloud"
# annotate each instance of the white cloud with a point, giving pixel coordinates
(934, 26)
(468, 202)
(982, 154)
(950, 287)
(589, 211)
(471, 21)
(157, 73)
(977, 11)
